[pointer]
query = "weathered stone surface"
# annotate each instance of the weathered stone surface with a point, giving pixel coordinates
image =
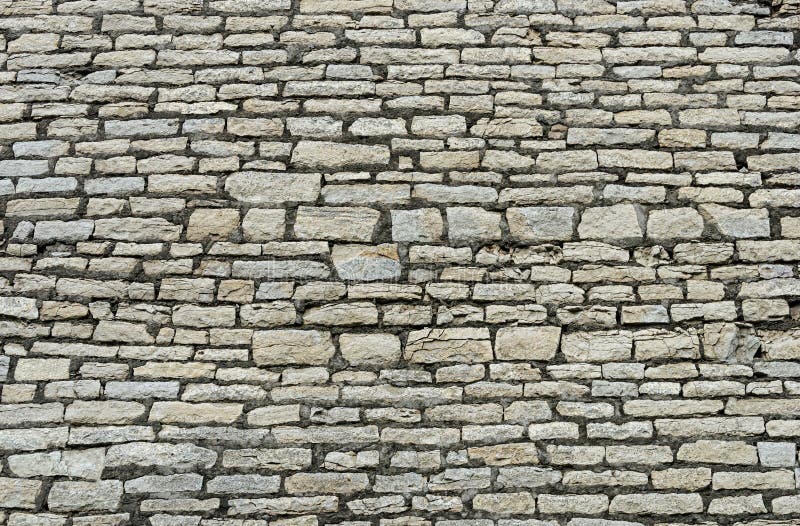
(336, 223)
(212, 223)
(331, 155)
(244, 484)
(185, 413)
(605, 346)
(729, 342)
(177, 457)
(423, 225)
(657, 503)
(137, 229)
(448, 345)
(19, 308)
(399, 262)
(110, 412)
(583, 504)
(541, 223)
(505, 503)
(467, 225)
(271, 415)
(718, 452)
(15, 415)
(19, 493)
(370, 349)
(527, 343)
(292, 346)
(63, 231)
(366, 262)
(776, 454)
(661, 344)
(103, 495)
(80, 464)
(275, 459)
(738, 505)
(260, 224)
(327, 483)
(196, 316)
(688, 479)
(33, 439)
(738, 223)
(285, 505)
(674, 223)
(35, 369)
(266, 188)
(165, 483)
(620, 223)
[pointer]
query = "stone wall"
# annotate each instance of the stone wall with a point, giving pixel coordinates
(399, 262)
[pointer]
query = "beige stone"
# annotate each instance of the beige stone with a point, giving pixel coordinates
(361, 350)
(527, 343)
(292, 346)
(212, 223)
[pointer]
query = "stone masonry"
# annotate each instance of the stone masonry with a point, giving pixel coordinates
(399, 262)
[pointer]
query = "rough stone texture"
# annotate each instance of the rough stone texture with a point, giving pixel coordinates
(399, 262)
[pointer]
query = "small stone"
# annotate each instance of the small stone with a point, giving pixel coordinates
(608, 346)
(210, 223)
(421, 225)
(164, 483)
(186, 413)
(174, 457)
(737, 505)
(718, 452)
(336, 223)
(777, 454)
(261, 224)
(463, 345)
(19, 493)
(82, 464)
(346, 483)
(64, 231)
(243, 484)
(376, 350)
(657, 503)
(467, 225)
(104, 495)
(674, 223)
(292, 346)
(505, 503)
(737, 223)
(527, 343)
(621, 223)
(335, 156)
(541, 223)
(268, 188)
(367, 262)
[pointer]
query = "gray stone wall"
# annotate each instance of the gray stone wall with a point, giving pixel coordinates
(399, 262)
